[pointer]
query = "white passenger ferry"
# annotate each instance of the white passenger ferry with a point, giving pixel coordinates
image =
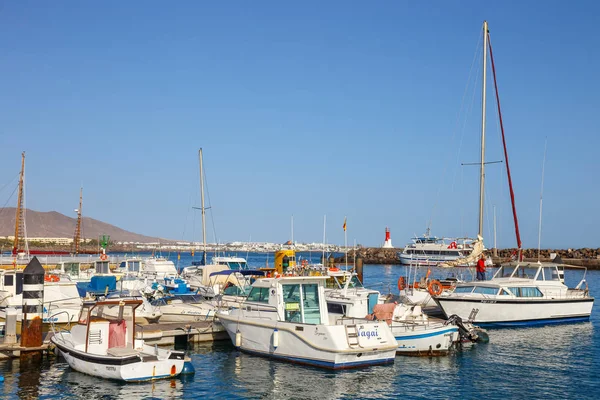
(430, 250)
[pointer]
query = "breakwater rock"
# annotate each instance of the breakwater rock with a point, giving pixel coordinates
(587, 257)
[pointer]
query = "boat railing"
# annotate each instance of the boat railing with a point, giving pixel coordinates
(59, 329)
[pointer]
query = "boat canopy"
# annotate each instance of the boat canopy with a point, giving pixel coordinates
(244, 272)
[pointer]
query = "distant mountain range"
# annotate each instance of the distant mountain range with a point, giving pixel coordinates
(56, 225)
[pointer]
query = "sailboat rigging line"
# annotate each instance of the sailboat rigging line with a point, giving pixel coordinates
(541, 199)
(9, 182)
(457, 124)
(512, 193)
(9, 199)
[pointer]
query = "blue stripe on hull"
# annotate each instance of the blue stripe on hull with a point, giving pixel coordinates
(536, 322)
(319, 363)
(150, 378)
(424, 335)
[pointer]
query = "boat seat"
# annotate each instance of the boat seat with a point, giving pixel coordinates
(146, 357)
(121, 352)
(417, 311)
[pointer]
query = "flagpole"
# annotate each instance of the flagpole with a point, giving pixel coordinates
(346, 243)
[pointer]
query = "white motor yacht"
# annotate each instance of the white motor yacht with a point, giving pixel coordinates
(520, 294)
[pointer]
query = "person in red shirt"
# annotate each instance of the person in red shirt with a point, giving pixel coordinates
(481, 268)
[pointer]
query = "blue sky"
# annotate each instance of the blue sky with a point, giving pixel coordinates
(307, 109)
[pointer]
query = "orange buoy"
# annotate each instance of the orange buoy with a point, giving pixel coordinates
(401, 283)
(334, 269)
(435, 288)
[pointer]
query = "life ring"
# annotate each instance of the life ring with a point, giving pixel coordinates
(452, 245)
(401, 283)
(103, 257)
(334, 269)
(51, 278)
(435, 288)
(304, 263)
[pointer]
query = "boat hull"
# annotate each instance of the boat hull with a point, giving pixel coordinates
(424, 340)
(315, 345)
(517, 312)
(131, 369)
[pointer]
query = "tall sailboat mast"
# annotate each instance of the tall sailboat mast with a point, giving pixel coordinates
(482, 165)
(19, 212)
(77, 237)
(202, 207)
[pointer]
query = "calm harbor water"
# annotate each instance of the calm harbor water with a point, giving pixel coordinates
(554, 362)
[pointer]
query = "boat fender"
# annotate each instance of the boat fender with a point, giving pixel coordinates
(188, 368)
(401, 283)
(435, 288)
(275, 339)
(238, 339)
(334, 269)
(452, 245)
(173, 370)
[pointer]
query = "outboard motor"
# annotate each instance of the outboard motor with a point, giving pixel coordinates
(467, 331)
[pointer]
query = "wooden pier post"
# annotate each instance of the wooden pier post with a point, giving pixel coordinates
(33, 305)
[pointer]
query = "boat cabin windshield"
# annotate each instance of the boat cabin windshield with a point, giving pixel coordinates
(102, 267)
(339, 282)
(528, 271)
(130, 266)
(70, 268)
(234, 264)
(301, 303)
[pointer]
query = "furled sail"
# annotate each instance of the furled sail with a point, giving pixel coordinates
(471, 259)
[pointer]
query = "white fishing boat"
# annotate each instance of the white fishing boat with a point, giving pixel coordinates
(286, 318)
(520, 294)
(429, 250)
(105, 346)
(416, 333)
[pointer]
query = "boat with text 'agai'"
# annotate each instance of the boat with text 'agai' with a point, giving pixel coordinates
(286, 318)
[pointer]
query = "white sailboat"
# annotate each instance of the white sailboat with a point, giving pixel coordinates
(519, 293)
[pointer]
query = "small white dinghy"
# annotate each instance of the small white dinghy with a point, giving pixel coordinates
(105, 346)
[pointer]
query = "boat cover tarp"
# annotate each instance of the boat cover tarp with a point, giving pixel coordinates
(243, 272)
(383, 312)
(471, 259)
(116, 334)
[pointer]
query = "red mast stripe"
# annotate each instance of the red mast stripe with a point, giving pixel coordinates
(512, 193)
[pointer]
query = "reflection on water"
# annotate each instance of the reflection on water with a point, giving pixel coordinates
(554, 362)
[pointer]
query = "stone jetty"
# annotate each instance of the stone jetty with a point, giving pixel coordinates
(585, 257)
